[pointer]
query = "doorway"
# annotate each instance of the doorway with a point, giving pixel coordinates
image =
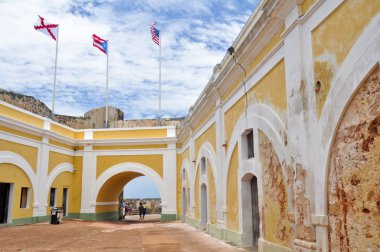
(250, 211)
(203, 206)
(184, 207)
(4, 202)
(65, 201)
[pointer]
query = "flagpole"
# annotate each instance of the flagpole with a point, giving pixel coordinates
(159, 84)
(106, 119)
(55, 74)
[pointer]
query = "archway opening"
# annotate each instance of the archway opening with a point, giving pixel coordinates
(250, 211)
(203, 206)
(142, 190)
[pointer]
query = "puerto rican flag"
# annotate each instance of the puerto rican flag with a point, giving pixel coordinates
(100, 43)
(46, 28)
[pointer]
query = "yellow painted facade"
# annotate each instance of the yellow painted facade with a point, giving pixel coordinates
(27, 152)
(275, 41)
(20, 133)
(291, 206)
(269, 90)
(130, 134)
(330, 49)
(10, 173)
(232, 192)
(130, 147)
(21, 116)
(208, 136)
(196, 196)
(111, 189)
(152, 161)
(63, 131)
(306, 5)
(62, 145)
(56, 158)
(211, 193)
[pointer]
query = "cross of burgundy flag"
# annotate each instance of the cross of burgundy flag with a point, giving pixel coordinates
(100, 43)
(46, 28)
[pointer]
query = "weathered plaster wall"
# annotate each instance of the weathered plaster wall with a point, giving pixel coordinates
(354, 173)
(232, 192)
(331, 48)
(276, 225)
(10, 173)
(269, 90)
(212, 193)
(274, 41)
(208, 136)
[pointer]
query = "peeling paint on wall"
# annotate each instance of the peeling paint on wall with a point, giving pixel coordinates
(354, 173)
(331, 48)
(304, 227)
(276, 225)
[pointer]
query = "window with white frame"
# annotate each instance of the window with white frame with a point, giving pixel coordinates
(24, 199)
(203, 166)
(52, 201)
(249, 141)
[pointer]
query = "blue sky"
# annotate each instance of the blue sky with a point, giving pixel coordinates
(141, 187)
(195, 37)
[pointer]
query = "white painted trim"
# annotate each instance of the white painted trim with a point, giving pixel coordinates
(20, 140)
(63, 167)
(88, 135)
(362, 58)
(171, 131)
(129, 167)
(270, 61)
(206, 150)
(17, 160)
(106, 203)
(205, 126)
(129, 152)
(260, 117)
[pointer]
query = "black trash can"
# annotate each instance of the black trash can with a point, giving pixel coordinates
(54, 219)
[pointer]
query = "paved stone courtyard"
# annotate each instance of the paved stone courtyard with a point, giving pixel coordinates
(128, 235)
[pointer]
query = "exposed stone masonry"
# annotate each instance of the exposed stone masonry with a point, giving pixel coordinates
(354, 175)
(92, 119)
(276, 225)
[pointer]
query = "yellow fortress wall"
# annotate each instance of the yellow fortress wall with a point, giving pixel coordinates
(273, 171)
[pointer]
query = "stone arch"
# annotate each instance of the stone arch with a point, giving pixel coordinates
(206, 150)
(261, 117)
(130, 167)
(15, 159)
(63, 167)
(185, 187)
(354, 172)
(363, 57)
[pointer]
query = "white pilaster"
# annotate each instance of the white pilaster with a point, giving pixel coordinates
(40, 202)
(170, 180)
(88, 181)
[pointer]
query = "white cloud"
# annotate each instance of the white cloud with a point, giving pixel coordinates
(195, 35)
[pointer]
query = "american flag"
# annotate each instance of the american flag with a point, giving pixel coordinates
(155, 33)
(100, 43)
